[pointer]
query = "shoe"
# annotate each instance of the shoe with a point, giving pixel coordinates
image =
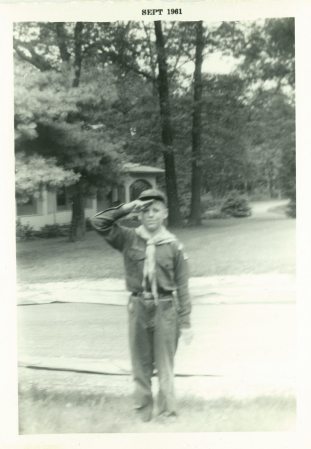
(167, 416)
(145, 413)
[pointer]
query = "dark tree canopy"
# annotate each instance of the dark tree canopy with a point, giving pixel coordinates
(90, 96)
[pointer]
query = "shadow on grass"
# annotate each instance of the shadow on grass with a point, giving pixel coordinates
(45, 412)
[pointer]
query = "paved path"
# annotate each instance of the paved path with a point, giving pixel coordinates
(244, 341)
(264, 209)
(268, 288)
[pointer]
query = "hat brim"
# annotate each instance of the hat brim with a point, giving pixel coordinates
(155, 198)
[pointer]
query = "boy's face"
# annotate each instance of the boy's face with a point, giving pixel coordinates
(153, 217)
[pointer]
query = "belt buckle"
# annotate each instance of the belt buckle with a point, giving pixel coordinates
(148, 295)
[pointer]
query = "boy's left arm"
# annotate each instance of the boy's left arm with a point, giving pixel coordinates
(181, 280)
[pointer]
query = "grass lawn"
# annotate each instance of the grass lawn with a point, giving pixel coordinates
(218, 247)
(54, 412)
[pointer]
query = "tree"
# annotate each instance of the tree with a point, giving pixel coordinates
(267, 49)
(195, 211)
(58, 116)
(34, 172)
(223, 149)
(269, 130)
(167, 134)
(100, 93)
(76, 48)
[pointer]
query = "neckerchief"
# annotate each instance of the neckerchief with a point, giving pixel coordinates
(149, 272)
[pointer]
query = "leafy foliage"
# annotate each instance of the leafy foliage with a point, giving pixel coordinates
(267, 49)
(34, 172)
(207, 203)
(235, 205)
(270, 134)
(52, 231)
(86, 100)
(24, 232)
(27, 232)
(57, 139)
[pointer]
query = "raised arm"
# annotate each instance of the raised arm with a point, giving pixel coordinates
(105, 223)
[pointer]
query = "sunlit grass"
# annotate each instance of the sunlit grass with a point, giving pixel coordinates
(52, 412)
(217, 248)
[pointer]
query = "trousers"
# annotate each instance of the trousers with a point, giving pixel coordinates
(153, 337)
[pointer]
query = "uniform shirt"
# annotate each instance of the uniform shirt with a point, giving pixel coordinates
(171, 264)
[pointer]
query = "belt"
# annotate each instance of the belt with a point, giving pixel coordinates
(149, 296)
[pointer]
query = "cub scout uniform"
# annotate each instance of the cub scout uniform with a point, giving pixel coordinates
(154, 268)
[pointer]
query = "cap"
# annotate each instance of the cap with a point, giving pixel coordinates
(152, 194)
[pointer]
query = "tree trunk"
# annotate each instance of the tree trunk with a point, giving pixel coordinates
(77, 228)
(175, 218)
(78, 53)
(195, 210)
(270, 180)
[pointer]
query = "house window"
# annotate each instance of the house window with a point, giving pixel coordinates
(29, 208)
(62, 200)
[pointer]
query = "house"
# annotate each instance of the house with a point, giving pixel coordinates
(54, 206)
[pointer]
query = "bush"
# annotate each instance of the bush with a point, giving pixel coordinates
(52, 231)
(27, 232)
(207, 202)
(184, 204)
(24, 232)
(214, 214)
(235, 205)
(291, 209)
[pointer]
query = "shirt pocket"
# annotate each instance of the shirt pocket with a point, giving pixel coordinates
(134, 264)
(136, 254)
(166, 267)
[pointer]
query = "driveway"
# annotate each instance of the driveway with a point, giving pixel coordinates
(242, 349)
(261, 209)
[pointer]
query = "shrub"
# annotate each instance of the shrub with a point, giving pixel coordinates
(235, 205)
(24, 232)
(207, 202)
(52, 231)
(184, 204)
(291, 209)
(214, 214)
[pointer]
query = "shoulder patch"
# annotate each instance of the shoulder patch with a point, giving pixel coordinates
(180, 248)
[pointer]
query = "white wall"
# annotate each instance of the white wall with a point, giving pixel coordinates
(61, 217)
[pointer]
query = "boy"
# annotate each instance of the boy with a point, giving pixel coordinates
(155, 266)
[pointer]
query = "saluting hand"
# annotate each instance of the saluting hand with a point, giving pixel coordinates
(137, 205)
